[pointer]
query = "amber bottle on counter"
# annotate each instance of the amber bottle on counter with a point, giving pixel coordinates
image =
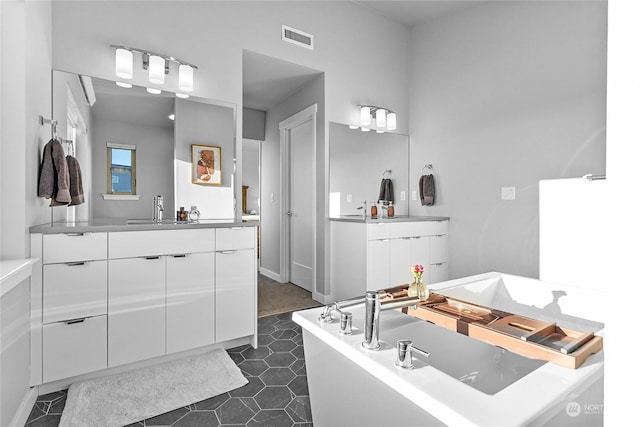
(390, 211)
(374, 211)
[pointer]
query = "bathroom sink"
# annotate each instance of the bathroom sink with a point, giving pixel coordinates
(484, 367)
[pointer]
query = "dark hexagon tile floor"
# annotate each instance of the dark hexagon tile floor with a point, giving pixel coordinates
(277, 394)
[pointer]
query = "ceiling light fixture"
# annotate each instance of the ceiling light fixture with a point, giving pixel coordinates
(158, 65)
(385, 119)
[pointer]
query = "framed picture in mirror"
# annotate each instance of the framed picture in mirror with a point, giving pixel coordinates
(206, 165)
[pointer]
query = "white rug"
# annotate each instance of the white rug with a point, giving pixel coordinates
(122, 399)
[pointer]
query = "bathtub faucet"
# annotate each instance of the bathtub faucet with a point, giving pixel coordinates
(373, 306)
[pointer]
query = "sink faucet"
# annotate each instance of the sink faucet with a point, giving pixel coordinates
(158, 208)
(373, 306)
(364, 209)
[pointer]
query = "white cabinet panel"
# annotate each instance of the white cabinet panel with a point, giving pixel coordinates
(74, 290)
(420, 252)
(438, 272)
(439, 252)
(136, 309)
(190, 301)
(377, 264)
(378, 231)
(129, 244)
(235, 238)
(73, 247)
(236, 277)
(399, 262)
(74, 348)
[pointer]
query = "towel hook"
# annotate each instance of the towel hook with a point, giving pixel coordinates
(384, 174)
(427, 166)
(53, 123)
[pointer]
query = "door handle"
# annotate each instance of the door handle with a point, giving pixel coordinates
(289, 213)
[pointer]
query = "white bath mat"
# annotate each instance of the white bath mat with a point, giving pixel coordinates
(122, 399)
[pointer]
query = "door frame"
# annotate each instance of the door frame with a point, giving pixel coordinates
(307, 114)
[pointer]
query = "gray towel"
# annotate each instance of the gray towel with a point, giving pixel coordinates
(75, 181)
(386, 191)
(427, 188)
(54, 175)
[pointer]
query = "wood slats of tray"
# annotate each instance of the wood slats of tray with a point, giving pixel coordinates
(527, 337)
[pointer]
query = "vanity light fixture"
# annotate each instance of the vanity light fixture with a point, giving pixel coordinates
(156, 69)
(154, 91)
(124, 63)
(124, 85)
(158, 65)
(385, 119)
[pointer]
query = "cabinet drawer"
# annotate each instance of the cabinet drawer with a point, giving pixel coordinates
(377, 231)
(74, 290)
(235, 238)
(130, 244)
(438, 272)
(438, 248)
(429, 228)
(73, 247)
(74, 348)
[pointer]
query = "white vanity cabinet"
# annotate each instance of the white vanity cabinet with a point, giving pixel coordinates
(236, 283)
(161, 293)
(377, 255)
(106, 299)
(190, 300)
(72, 306)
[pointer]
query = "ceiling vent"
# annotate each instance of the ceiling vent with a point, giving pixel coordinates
(297, 37)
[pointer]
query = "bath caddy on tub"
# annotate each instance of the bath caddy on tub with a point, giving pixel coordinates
(525, 336)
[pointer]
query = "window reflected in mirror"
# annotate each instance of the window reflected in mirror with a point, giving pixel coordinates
(121, 167)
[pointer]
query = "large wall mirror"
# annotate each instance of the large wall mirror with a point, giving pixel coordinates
(358, 161)
(94, 116)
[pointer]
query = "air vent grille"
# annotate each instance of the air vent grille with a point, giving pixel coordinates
(297, 37)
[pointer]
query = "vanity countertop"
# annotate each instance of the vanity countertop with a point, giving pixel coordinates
(123, 224)
(398, 218)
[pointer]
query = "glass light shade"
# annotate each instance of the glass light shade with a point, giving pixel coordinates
(182, 95)
(365, 129)
(365, 116)
(124, 85)
(154, 91)
(379, 131)
(156, 69)
(185, 78)
(353, 127)
(124, 63)
(391, 121)
(381, 117)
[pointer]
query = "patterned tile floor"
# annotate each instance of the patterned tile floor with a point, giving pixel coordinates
(276, 395)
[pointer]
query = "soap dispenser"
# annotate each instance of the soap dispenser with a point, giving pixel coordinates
(390, 210)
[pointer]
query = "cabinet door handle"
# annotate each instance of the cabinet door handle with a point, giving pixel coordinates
(406, 238)
(417, 237)
(75, 264)
(74, 321)
(75, 234)
(180, 255)
(227, 252)
(152, 257)
(438, 264)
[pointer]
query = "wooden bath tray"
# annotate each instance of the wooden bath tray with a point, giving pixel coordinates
(522, 335)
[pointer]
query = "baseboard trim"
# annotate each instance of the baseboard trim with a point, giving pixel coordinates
(271, 275)
(321, 298)
(22, 414)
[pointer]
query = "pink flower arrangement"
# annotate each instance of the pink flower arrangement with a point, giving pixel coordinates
(417, 270)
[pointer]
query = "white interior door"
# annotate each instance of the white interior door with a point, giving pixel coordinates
(300, 204)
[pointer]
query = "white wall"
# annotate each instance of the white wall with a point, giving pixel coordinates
(25, 88)
(505, 94)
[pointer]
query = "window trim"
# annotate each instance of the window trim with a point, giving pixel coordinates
(132, 148)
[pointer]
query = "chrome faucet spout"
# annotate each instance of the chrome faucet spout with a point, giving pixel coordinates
(373, 306)
(158, 208)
